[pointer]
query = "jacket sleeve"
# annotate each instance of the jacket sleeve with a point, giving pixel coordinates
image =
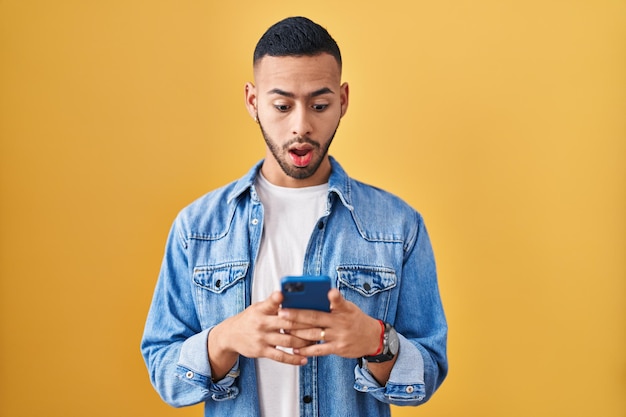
(420, 321)
(174, 346)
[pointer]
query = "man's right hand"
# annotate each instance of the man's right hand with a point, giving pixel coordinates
(254, 333)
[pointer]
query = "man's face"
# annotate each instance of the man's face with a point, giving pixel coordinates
(299, 102)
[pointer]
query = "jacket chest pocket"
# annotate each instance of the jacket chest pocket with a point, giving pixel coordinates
(219, 291)
(369, 287)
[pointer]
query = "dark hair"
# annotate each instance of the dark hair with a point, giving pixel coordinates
(296, 36)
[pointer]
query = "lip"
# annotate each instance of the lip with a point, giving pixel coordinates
(301, 149)
(301, 155)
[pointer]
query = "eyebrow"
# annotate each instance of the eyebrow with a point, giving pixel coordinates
(315, 93)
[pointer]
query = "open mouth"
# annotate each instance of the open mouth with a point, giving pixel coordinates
(301, 156)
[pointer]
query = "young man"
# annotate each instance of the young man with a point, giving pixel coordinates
(216, 332)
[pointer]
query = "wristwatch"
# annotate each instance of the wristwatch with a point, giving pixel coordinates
(390, 346)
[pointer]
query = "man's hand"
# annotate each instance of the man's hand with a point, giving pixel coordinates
(254, 333)
(346, 330)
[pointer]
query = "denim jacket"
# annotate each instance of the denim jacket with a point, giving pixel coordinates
(374, 247)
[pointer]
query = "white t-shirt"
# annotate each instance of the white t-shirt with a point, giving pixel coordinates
(290, 214)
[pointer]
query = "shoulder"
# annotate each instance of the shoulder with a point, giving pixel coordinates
(381, 213)
(210, 215)
(376, 200)
(214, 199)
(377, 196)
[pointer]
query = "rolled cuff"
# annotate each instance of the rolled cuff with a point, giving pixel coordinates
(194, 367)
(406, 382)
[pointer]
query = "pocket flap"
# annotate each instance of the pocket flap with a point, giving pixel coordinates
(217, 278)
(367, 280)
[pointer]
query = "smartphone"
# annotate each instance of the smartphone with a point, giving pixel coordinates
(308, 292)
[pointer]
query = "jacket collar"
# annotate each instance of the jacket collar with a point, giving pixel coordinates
(338, 183)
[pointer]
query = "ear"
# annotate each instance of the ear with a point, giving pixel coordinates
(250, 96)
(344, 93)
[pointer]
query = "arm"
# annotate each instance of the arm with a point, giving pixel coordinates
(189, 364)
(420, 365)
(174, 345)
(421, 324)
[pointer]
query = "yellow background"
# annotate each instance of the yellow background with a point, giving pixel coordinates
(503, 122)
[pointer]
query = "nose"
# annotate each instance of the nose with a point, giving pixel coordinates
(301, 122)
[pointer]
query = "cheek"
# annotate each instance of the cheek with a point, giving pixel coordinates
(270, 116)
(273, 129)
(330, 125)
(277, 127)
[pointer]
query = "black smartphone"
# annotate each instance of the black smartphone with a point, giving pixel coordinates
(308, 292)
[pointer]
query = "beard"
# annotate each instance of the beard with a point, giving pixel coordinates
(281, 154)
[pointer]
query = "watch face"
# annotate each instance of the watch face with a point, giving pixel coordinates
(390, 347)
(393, 341)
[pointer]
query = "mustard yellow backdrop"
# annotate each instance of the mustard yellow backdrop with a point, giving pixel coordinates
(503, 122)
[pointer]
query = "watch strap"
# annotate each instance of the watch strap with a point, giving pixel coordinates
(385, 355)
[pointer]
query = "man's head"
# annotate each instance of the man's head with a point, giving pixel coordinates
(296, 36)
(298, 100)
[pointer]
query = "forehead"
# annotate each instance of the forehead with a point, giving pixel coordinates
(292, 72)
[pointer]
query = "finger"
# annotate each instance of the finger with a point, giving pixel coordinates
(276, 297)
(284, 357)
(272, 303)
(288, 340)
(297, 318)
(335, 298)
(288, 326)
(318, 349)
(313, 335)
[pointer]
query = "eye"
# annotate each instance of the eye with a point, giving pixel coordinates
(319, 107)
(282, 107)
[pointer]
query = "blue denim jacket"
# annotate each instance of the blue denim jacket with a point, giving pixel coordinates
(373, 245)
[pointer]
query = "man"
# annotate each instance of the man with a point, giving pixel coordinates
(216, 332)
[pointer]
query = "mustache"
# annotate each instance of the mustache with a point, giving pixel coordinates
(302, 139)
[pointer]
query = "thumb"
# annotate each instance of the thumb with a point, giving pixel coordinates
(272, 303)
(336, 299)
